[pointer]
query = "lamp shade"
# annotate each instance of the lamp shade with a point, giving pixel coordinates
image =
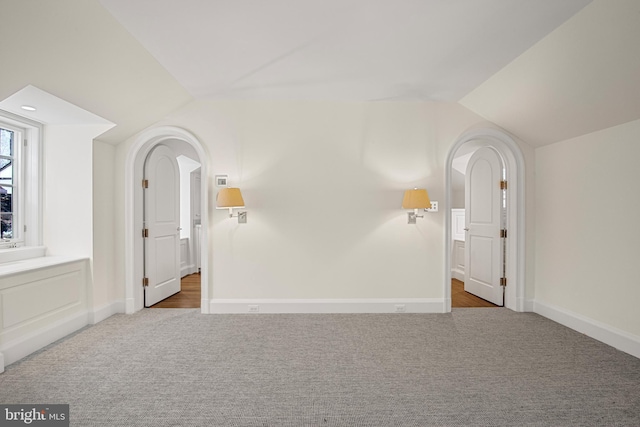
(416, 199)
(229, 198)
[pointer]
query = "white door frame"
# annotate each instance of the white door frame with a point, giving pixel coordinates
(515, 172)
(134, 165)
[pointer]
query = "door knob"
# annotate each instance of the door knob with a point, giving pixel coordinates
(466, 229)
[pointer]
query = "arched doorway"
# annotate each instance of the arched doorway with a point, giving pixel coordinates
(134, 164)
(515, 176)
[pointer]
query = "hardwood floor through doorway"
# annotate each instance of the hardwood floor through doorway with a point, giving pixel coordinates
(188, 297)
(460, 298)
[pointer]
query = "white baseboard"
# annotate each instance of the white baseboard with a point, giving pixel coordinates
(528, 305)
(614, 337)
(410, 305)
(19, 348)
(15, 350)
(457, 274)
(130, 305)
(204, 306)
(187, 270)
(106, 311)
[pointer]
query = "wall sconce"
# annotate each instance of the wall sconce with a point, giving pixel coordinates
(415, 199)
(229, 198)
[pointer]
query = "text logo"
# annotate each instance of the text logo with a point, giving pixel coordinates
(34, 415)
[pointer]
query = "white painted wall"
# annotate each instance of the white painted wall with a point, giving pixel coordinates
(323, 185)
(457, 192)
(186, 166)
(103, 224)
(68, 189)
(78, 206)
(587, 238)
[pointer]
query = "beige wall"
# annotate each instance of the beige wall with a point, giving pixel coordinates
(68, 189)
(103, 220)
(323, 184)
(587, 234)
(78, 202)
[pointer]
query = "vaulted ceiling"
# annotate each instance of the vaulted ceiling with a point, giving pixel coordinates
(76, 51)
(583, 77)
(338, 49)
(545, 70)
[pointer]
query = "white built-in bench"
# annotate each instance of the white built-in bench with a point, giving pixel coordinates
(42, 299)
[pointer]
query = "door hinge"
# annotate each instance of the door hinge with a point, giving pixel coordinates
(24, 228)
(145, 282)
(145, 233)
(145, 183)
(503, 281)
(25, 142)
(503, 185)
(503, 233)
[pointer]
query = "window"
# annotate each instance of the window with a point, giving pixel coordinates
(19, 181)
(9, 183)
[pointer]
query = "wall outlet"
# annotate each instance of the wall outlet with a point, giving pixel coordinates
(433, 208)
(254, 308)
(401, 308)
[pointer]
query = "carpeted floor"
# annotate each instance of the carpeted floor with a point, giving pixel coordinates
(472, 367)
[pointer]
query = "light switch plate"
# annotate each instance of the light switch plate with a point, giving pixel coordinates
(222, 180)
(433, 208)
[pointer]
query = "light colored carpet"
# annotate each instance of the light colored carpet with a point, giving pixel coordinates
(474, 367)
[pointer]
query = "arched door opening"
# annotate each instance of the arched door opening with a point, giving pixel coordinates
(513, 174)
(134, 244)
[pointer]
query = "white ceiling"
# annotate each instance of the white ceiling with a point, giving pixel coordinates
(583, 77)
(50, 109)
(338, 49)
(76, 51)
(544, 70)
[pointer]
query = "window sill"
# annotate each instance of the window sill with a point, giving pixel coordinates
(20, 254)
(34, 264)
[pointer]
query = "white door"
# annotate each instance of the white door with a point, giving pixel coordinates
(483, 246)
(162, 220)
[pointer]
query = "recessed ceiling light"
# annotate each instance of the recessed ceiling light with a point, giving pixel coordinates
(28, 108)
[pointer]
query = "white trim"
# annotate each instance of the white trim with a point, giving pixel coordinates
(411, 305)
(29, 265)
(528, 305)
(135, 158)
(20, 254)
(187, 270)
(614, 337)
(24, 346)
(130, 305)
(457, 274)
(187, 265)
(515, 165)
(33, 160)
(36, 340)
(106, 311)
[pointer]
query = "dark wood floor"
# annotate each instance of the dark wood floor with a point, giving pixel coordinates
(460, 298)
(188, 297)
